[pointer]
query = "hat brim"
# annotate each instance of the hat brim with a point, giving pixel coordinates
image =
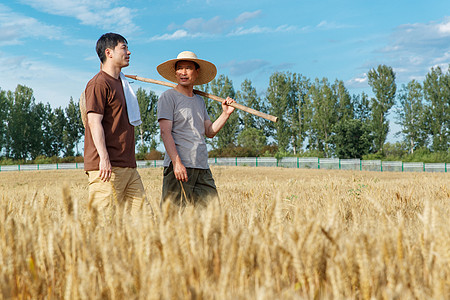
(207, 71)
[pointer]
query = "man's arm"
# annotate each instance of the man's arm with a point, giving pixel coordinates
(169, 143)
(98, 136)
(211, 129)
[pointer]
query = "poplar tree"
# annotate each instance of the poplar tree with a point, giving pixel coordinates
(345, 109)
(279, 96)
(222, 86)
(325, 115)
(411, 115)
(382, 82)
(300, 111)
(361, 105)
(74, 129)
(437, 93)
(147, 132)
(252, 134)
(3, 119)
(24, 133)
(53, 126)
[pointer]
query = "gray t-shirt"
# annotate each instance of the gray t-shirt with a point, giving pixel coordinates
(188, 116)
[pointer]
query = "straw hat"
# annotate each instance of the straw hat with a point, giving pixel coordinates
(206, 73)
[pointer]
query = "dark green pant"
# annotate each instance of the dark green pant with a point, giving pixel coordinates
(198, 190)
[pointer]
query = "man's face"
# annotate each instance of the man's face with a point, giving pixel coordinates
(186, 73)
(120, 55)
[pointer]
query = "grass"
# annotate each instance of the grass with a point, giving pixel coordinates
(277, 234)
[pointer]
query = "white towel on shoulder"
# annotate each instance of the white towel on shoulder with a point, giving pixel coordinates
(134, 116)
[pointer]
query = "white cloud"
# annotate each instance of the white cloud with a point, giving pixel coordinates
(246, 16)
(179, 34)
(99, 13)
(214, 26)
(238, 68)
(47, 81)
(330, 25)
(259, 30)
(357, 82)
(14, 27)
(415, 48)
(199, 27)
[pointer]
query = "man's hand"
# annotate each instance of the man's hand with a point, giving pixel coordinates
(180, 171)
(105, 169)
(226, 106)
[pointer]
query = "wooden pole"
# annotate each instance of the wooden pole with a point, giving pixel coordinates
(210, 96)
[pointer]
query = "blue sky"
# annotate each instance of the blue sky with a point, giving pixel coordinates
(49, 45)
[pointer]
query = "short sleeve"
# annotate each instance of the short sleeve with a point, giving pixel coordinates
(205, 112)
(95, 98)
(165, 107)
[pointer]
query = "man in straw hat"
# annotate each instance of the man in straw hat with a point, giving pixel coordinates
(109, 146)
(184, 123)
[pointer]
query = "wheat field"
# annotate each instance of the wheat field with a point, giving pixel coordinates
(276, 234)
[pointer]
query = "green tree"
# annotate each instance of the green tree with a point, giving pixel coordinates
(4, 110)
(74, 129)
(325, 115)
(351, 139)
(345, 108)
(300, 110)
(252, 138)
(222, 86)
(411, 115)
(361, 104)
(247, 96)
(279, 97)
(147, 132)
(437, 93)
(50, 143)
(24, 133)
(382, 82)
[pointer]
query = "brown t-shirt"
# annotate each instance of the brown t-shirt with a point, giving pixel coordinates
(104, 95)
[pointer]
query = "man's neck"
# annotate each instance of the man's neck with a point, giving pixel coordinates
(185, 90)
(111, 70)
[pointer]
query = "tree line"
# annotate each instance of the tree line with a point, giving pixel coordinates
(316, 118)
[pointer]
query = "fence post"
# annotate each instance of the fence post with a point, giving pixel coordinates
(56, 166)
(423, 166)
(402, 166)
(381, 165)
(18, 167)
(318, 163)
(339, 163)
(360, 164)
(38, 167)
(298, 162)
(236, 161)
(215, 160)
(256, 160)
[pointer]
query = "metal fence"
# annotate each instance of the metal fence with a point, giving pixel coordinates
(286, 162)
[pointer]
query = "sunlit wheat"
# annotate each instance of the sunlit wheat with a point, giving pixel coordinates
(276, 234)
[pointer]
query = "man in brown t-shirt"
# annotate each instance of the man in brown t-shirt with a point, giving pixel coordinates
(109, 146)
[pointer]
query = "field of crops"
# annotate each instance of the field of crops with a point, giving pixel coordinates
(277, 234)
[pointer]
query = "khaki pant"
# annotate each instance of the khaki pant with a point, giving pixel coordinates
(124, 189)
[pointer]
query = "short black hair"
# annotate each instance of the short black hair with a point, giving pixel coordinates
(108, 40)
(195, 64)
